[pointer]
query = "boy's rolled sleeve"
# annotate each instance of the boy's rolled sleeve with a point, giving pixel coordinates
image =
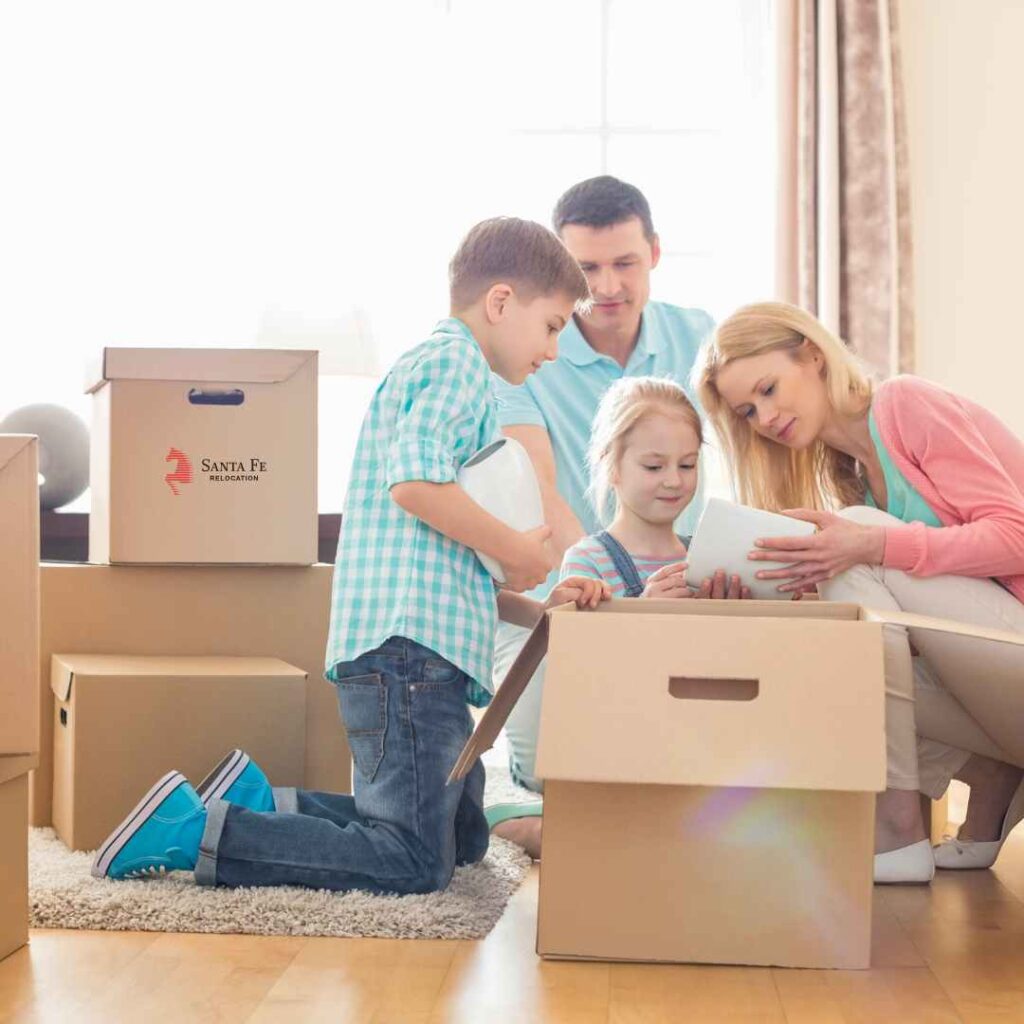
(437, 413)
(516, 406)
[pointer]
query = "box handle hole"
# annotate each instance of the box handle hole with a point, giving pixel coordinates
(216, 396)
(63, 716)
(706, 688)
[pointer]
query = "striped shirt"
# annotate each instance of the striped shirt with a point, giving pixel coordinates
(589, 557)
(394, 574)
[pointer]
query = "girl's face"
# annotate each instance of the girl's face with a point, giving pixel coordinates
(780, 394)
(657, 472)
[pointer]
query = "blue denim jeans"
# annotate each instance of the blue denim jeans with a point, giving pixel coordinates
(403, 830)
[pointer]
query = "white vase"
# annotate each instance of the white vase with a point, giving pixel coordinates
(501, 478)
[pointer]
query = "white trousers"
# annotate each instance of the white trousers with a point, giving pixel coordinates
(960, 696)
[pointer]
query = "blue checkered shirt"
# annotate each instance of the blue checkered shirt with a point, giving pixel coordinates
(394, 574)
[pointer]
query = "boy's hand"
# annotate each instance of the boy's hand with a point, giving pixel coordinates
(584, 590)
(528, 565)
(668, 581)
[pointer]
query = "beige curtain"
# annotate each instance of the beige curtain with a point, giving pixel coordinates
(843, 240)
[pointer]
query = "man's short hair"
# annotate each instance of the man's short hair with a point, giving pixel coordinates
(603, 201)
(518, 252)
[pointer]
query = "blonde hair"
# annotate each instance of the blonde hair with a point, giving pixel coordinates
(770, 475)
(623, 405)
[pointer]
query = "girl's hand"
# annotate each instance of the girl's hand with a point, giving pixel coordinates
(837, 546)
(717, 588)
(668, 581)
(584, 590)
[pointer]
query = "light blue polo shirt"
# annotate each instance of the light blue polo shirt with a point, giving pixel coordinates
(563, 397)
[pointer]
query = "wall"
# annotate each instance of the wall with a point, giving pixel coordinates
(964, 80)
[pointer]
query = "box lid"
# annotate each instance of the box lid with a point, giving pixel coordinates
(220, 365)
(12, 445)
(13, 765)
(633, 744)
(64, 668)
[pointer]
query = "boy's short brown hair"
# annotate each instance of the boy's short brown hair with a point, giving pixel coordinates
(518, 252)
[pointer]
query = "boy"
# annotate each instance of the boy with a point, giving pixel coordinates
(413, 615)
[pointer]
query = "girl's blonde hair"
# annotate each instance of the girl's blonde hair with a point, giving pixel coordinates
(623, 405)
(770, 475)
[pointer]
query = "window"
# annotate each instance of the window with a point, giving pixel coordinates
(266, 174)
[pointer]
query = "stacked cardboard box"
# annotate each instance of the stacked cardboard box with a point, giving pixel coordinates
(203, 466)
(19, 683)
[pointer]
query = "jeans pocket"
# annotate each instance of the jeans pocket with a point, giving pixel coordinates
(364, 709)
(439, 674)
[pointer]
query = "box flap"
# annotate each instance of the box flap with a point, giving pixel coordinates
(912, 621)
(220, 365)
(509, 692)
(61, 677)
(13, 444)
(13, 765)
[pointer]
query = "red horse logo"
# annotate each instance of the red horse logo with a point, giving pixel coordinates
(182, 471)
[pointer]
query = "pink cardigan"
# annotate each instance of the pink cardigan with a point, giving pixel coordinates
(969, 467)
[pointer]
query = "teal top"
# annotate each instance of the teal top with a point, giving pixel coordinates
(904, 502)
(394, 574)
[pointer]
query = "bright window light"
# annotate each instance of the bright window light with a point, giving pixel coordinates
(298, 174)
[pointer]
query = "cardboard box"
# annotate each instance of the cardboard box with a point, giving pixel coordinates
(120, 722)
(204, 456)
(14, 851)
(269, 611)
(19, 594)
(710, 774)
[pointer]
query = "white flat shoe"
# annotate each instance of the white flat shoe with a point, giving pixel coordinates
(909, 865)
(965, 854)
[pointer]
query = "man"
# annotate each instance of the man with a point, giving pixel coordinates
(606, 224)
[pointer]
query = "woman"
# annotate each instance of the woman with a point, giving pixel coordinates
(807, 430)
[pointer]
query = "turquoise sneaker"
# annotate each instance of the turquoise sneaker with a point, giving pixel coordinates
(162, 833)
(239, 780)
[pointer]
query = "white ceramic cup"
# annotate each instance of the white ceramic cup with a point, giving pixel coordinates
(500, 478)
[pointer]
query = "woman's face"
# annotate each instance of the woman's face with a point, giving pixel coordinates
(781, 394)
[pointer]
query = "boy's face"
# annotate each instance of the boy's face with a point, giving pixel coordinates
(523, 336)
(618, 261)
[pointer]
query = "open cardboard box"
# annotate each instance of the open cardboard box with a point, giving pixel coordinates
(19, 594)
(710, 774)
(120, 722)
(14, 851)
(204, 456)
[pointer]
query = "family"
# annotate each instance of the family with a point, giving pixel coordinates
(553, 339)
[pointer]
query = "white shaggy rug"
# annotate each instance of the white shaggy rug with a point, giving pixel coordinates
(62, 894)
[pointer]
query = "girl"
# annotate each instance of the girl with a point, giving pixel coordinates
(942, 535)
(643, 456)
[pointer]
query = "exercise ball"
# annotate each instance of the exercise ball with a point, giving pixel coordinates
(63, 450)
(500, 477)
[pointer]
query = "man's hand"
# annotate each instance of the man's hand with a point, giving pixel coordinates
(584, 590)
(837, 546)
(528, 560)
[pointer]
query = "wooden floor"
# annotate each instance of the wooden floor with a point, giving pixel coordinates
(952, 952)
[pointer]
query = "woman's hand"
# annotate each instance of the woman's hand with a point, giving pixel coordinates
(837, 546)
(718, 588)
(584, 590)
(668, 581)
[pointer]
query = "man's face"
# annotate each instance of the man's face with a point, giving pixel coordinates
(617, 260)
